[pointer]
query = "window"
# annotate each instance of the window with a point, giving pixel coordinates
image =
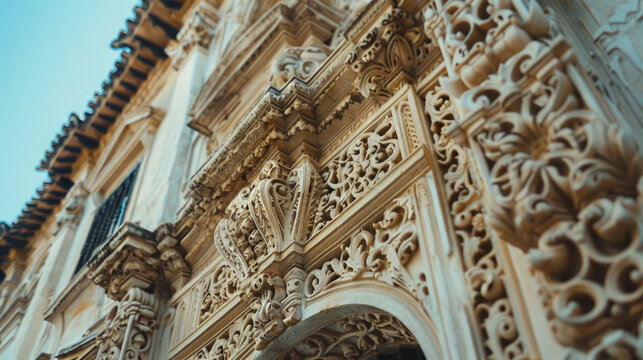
(108, 217)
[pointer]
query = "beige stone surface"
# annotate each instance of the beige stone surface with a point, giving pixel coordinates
(331, 179)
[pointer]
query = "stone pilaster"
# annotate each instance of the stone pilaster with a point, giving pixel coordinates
(562, 178)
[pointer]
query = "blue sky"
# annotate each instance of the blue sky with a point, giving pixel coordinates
(54, 55)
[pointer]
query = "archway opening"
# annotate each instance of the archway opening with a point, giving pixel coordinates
(358, 336)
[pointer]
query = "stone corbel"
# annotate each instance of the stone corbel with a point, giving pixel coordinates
(197, 32)
(175, 269)
(267, 216)
(277, 305)
(128, 260)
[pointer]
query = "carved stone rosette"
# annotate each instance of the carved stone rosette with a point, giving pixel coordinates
(562, 179)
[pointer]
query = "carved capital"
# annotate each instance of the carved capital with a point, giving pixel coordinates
(128, 330)
(175, 269)
(196, 32)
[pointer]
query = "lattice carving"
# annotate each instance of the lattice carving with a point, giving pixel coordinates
(356, 170)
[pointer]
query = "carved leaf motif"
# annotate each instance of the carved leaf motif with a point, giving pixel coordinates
(382, 254)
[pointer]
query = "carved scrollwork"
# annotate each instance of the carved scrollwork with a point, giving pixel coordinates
(352, 337)
(380, 254)
(275, 305)
(356, 170)
(267, 216)
(386, 57)
(483, 272)
(73, 209)
(299, 62)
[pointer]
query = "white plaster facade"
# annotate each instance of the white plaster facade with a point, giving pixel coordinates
(345, 179)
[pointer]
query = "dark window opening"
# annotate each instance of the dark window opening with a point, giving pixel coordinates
(107, 219)
(396, 352)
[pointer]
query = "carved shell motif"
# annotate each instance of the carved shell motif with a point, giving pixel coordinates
(267, 216)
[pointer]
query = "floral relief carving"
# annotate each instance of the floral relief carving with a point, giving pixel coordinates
(381, 253)
(483, 272)
(352, 337)
(299, 62)
(216, 289)
(267, 216)
(386, 57)
(563, 183)
(356, 170)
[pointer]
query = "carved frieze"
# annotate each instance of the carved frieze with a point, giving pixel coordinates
(382, 254)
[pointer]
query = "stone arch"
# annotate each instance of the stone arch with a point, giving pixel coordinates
(356, 299)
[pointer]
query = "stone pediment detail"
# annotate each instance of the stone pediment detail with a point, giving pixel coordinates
(267, 216)
(387, 56)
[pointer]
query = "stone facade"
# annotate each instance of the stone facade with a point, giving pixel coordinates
(327, 179)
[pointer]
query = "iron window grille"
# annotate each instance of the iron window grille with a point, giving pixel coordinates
(108, 217)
